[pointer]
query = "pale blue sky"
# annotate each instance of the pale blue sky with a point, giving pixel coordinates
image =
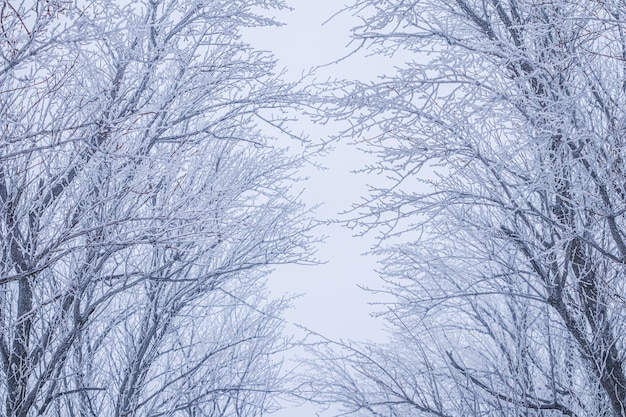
(332, 303)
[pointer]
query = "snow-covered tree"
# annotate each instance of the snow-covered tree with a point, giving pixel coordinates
(140, 205)
(504, 231)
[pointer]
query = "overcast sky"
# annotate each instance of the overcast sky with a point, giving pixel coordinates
(332, 302)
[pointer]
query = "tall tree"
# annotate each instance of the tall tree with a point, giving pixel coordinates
(504, 230)
(140, 204)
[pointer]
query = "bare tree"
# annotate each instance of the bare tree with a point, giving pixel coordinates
(140, 204)
(504, 230)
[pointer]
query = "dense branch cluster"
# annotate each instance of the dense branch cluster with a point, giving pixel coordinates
(505, 135)
(140, 203)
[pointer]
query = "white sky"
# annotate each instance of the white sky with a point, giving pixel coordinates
(332, 304)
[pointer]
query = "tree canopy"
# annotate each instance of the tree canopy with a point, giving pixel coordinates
(504, 231)
(142, 201)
